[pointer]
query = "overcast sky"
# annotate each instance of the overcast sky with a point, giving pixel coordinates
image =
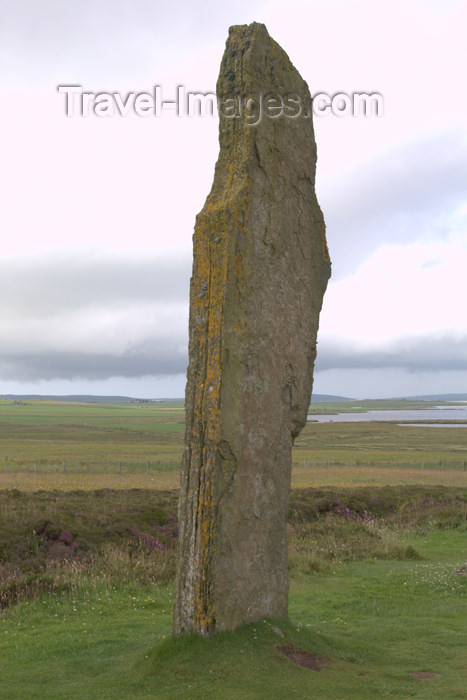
(97, 214)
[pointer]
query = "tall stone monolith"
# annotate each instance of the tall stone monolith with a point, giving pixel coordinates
(260, 270)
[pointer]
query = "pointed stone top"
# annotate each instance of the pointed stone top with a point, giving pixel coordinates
(254, 65)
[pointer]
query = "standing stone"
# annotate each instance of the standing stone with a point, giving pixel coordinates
(260, 270)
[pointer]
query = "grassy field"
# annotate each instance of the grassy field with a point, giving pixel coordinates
(88, 540)
(378, 590)
(146, 440)
(170, 479)
(89, 436)
(356, 406)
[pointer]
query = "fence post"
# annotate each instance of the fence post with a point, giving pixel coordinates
(465, 466)
(64, 467)
(423, 465)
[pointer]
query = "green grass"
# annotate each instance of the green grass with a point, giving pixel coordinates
(373, 588)
(80, 646)
(379, 621)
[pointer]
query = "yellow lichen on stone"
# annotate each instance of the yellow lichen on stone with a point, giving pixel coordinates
(325, 245)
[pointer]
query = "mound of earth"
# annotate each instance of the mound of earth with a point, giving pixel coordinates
(307, 659)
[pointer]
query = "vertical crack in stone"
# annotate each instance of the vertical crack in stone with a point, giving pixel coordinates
(260, 269)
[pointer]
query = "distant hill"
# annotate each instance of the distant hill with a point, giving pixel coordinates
(89, 398)
(438, 397)
(321, 398)
(74, 399)
(80, 398)
(325, 398)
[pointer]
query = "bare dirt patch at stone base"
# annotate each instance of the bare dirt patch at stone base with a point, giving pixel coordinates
(307, 659)
(424, 675)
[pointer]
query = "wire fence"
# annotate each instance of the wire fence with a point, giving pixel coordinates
(43, 466)
(96, 467)
(438, 465)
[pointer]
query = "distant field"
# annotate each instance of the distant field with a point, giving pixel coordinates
(45, 444)
(89, 437)
(128, 416)
(381, 444)
(358, 406)
(301, 477)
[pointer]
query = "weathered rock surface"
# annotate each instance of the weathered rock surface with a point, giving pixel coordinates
(260, 270)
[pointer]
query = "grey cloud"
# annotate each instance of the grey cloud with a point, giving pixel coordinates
(155, 358)
(94, 317)
(428, 353)
(398, 197)
(41, 285)
(72, 317)
(136, 362)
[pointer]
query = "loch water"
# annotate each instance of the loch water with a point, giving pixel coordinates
(439, 413)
